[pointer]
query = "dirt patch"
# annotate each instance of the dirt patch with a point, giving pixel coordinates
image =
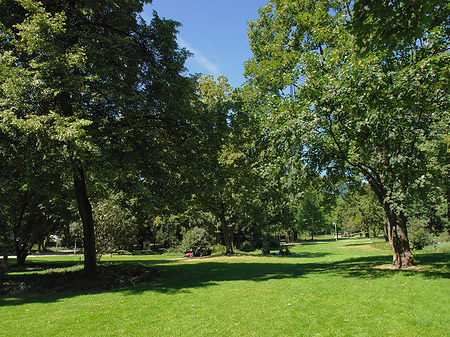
(390, 267)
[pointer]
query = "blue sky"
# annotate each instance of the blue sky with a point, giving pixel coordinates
(214, 30)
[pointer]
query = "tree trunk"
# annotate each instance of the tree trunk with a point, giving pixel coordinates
(396, 229)
(288, 236)
(85, 210)
(401, 254)
(225, 229)
(21, 252)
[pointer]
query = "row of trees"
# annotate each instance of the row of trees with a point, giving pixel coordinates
(101, 126)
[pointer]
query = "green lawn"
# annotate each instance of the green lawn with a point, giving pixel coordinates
(322, 289)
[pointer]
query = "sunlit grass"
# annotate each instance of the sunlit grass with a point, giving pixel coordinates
(322, 289)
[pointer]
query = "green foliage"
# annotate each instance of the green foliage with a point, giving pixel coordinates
(168, 230)
(355, 115)
(195, 239)
(418, 233)
(100, 95)
(247, 246)
(54, 279)
(115, 227)
(439, 246)
(310, 216)
(219, 249)
(397, 26)
(270, 242)
(359, 210)
(220, 174)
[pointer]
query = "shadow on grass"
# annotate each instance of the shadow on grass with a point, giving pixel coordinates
(176, 277)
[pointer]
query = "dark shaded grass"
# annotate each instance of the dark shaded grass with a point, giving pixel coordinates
(70, 278)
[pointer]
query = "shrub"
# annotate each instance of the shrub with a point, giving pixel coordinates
(115, 227)
(441, 244)
(248, 246)
(195, 239)
(73, 279)
(219, 249)
(270, 242)
(418, 234)
(438, 247)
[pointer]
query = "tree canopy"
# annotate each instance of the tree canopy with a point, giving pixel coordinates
(355, 113)
(97, 83)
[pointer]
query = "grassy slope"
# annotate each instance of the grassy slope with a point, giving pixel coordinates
(327, 289)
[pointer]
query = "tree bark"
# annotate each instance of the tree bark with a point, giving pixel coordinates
(288, 236)
(85, 210)
(21, 252)
(396, 229)
(401, 254)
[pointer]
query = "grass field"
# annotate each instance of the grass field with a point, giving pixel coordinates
(322, 289)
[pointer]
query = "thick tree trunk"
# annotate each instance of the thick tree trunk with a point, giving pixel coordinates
(85, 210)
(396, 229)
(401, 254)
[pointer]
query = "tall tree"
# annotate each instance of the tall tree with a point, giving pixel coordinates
(220, 173)
(354, 114)
(97, 80)
(35, 197)
(212, 175)
(310, 214)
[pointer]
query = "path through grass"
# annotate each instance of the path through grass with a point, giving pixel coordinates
(322, 289)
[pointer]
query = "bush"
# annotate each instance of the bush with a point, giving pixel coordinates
(441, 244)
(219, 249)
(439, 247)
(248, 246)
(418, 234)
(270, 242)
(195, 239)
(115, 227)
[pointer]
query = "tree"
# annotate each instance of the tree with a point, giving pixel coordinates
(100, 83)
(356, 115)
(115, 226)
(216, 172)
(358, 209)
(310, 215)
(195, 239)
(35, 201)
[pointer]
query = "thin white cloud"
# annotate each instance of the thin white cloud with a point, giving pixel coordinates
(200, 60)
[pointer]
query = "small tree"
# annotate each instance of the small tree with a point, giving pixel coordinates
(195, 239)
(310, 215)
(115, 228)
